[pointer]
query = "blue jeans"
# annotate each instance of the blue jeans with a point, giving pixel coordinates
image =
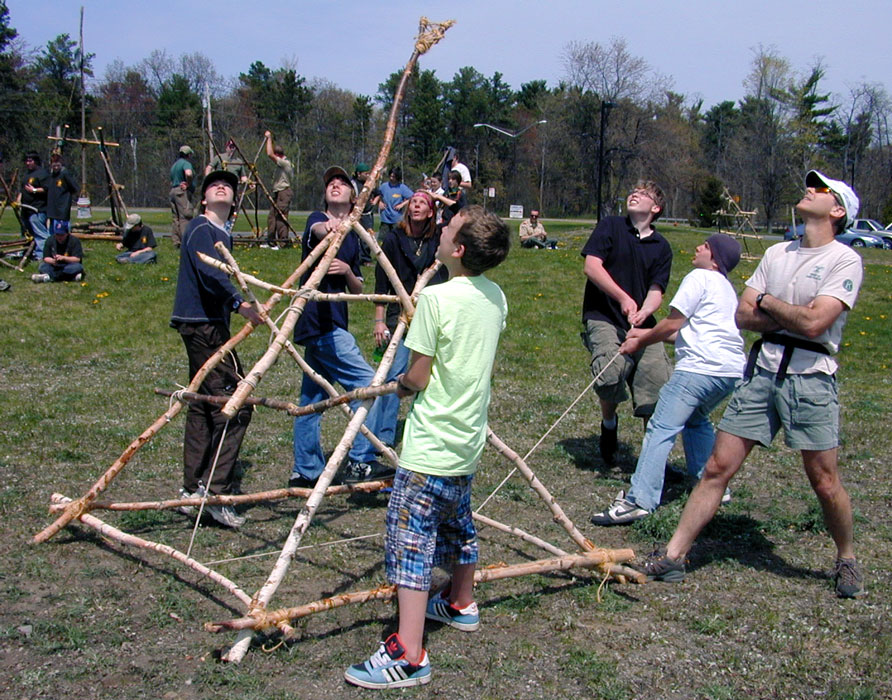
(390, 404)
(37, 226)
(61, 273)
(144, 256)
(685, 403)
(336, 357)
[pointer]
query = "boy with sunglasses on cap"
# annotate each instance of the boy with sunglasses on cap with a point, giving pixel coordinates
(709, 361)
(798, 299)
(205, 298)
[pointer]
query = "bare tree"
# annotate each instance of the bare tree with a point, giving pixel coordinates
(609, 71)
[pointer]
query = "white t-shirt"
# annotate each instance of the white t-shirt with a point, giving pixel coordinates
(708, 342)
(463, 169)
(799, 275)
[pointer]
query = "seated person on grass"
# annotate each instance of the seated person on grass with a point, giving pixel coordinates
(138, 243)
(453, 338)
(532, 233)
(62, 256)
(709, 361)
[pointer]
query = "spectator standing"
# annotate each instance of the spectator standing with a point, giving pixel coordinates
(394, 197)
(709, 362)
(798, 299)
(182, 185)
(33, 198)
(627, 265)
(277, 232)
(411, 247)
(61, 191)
(204, 300)
(329, 348)
(453, 338)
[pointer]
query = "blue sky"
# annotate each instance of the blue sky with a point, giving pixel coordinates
(705, 46)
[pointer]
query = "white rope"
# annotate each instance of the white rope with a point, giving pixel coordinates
(547, 432)
(207, 487)
(308, 546)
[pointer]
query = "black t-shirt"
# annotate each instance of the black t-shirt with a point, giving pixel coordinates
(410, 257)
(139, 238)
(60, 191)
(320, 317)
(70, 246)
(38, 177)
(635, 264)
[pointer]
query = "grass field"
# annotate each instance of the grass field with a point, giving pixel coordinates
(84, 617)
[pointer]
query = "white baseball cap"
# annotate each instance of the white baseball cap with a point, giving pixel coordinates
(845, 193)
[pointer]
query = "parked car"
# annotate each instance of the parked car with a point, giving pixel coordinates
(860, 239)
(793, 234)
(876, 228)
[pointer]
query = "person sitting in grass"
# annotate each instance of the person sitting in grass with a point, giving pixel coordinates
(62, 257)
(453, 338)
(532, 233)
(709, 361)
(138, 243)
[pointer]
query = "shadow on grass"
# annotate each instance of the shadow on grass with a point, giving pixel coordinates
(585, 455)
(739, 537)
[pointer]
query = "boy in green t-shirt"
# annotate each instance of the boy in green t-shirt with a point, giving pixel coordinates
(453, 339)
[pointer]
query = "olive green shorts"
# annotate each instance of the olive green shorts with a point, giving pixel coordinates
(644, 372)
(805, 405)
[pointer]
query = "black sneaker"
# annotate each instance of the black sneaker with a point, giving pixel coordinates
(849, 579)
(607, 443)
(357, 472)
(659, 567)
(298, 480)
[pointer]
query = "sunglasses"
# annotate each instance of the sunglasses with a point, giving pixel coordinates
(823, 190)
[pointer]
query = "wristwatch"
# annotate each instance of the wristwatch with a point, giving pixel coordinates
(759, 301)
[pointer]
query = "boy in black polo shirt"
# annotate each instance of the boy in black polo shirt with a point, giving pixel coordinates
(627, 265)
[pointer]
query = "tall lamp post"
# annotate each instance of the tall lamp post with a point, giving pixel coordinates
(513, 136)
(605, 110)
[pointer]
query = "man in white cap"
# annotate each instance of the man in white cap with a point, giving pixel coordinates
(138, 242)
(798, 299)
(182, 185)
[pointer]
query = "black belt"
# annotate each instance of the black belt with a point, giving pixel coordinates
(790, 343)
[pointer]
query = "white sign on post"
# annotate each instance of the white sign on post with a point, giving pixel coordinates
(515, 211)
(491, 192)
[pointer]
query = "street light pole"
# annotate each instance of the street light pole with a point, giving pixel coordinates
(605, 110)
(512, 135)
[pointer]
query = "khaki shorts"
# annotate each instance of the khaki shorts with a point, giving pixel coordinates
(805, 405)
(645, 372)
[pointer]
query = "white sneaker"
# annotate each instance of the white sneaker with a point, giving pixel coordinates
(79, 276)
(621, 512)
(40, 277)
(264, 245)
(186, 510)
(224, 515)
(726, 497)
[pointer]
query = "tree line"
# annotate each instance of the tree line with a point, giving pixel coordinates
(609, 102)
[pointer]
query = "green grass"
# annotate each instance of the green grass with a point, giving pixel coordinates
(756, 617)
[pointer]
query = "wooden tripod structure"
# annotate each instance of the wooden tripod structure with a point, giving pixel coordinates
(257, 613)
(743, 224)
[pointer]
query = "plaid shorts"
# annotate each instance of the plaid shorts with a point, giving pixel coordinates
(428, 524)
